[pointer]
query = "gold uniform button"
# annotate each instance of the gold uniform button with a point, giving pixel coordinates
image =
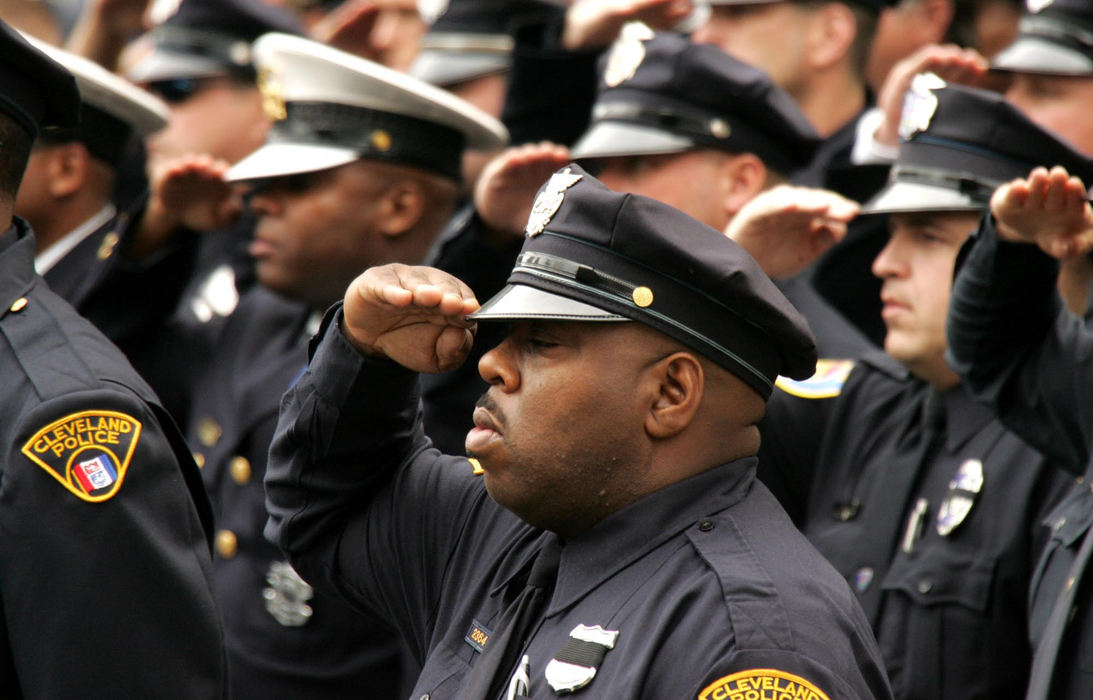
(226, 543)
(240, 470)
(199, 459)
(208, 432)
(19, 304)
(643, 296)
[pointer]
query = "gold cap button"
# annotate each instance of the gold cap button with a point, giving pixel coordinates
(226, 543)
(643, 296)
(240, 470)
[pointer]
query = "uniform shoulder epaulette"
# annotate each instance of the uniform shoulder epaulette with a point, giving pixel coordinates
(827, 382)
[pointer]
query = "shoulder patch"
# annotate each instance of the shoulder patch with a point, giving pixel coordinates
(761, 683)
(826, 383)
(476, 467)
(87, 452)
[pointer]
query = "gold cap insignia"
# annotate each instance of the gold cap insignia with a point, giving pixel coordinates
(88, 452)
(627, 53)
(550, 200)
(273, 101)
(919, 105)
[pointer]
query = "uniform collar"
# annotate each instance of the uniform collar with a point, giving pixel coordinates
(17, 256)
(964, 417)
(627, 535)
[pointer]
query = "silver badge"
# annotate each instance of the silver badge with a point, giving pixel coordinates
(430, 10)
(627, 53)
(565, 676)
(919, 105)
(549, 200)
(1035, 6)
(287, 595)
(963, 490)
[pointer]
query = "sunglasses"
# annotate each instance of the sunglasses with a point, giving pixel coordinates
(178, 90)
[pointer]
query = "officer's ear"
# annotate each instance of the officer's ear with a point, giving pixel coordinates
(743, 176)
(830, 35)
(401, 207)
(679, 381)
(69, 165)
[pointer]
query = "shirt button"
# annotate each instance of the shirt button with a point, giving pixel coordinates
(925, 586)
(208, 432)
(226, 543)
(240, 470)
(199, 460)
(705, 525)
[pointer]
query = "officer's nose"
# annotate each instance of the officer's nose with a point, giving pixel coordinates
(264, 202)
(498, 367)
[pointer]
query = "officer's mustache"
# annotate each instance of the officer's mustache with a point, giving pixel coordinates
(487, 402)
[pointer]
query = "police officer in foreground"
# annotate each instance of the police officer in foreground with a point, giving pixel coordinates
(104, 560)
(926, 504)
(1018, 348)
(597, 536)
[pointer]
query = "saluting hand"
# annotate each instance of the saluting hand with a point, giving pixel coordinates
(506, 190)
(415, 316)
(1050, 209)
(787, 228)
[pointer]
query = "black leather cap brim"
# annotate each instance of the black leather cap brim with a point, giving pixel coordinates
(444, 68)
(605, 139)
(1034, 55)
(161, 64)
(910, 197)
(518, 302)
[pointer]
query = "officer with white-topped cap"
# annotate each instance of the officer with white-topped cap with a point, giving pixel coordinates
(361, 167)
(68, 187)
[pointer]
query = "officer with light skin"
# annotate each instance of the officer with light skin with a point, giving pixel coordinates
(890, 458)
(1025, 355)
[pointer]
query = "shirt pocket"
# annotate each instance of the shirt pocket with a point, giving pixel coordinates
(936, 633)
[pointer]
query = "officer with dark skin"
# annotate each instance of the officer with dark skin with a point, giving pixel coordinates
(104, 557)
(608, 543)
(1027, 356)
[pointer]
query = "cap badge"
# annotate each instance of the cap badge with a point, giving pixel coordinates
(287, 596)
(627, 53)
(963, 490)
(550, 200)
(1035, 6)
(273, 101)
(576, 664)
(919, 105)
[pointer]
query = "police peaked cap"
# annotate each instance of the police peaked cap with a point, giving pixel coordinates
(1054, 37)
(211, 38)
(35, 90)
(330, 108)
(960, 144)
(593, 254)
(113, 111)
(473, 38)
(666, 94)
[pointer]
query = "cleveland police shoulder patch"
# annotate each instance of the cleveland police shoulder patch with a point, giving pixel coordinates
(827, 382)
(87, 452)
(761, 683)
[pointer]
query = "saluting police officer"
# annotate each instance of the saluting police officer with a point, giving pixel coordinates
(928, 506)
(607, 532)
(104, 561)
(361, 167)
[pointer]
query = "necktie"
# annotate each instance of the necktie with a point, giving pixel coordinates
(489, 675)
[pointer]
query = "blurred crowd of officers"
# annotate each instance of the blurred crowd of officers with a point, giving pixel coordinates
(189, 188)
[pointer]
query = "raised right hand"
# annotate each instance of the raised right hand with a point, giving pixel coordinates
(415, 316)
(1048, 208)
